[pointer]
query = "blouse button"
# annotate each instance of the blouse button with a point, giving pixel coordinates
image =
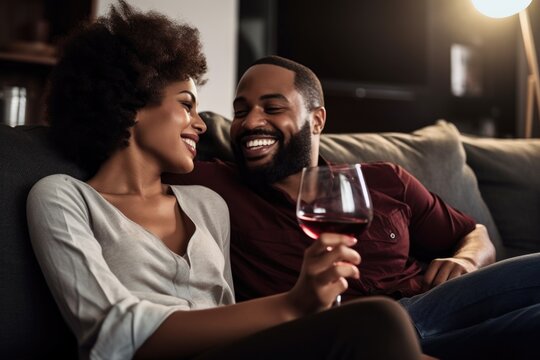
(392, 235)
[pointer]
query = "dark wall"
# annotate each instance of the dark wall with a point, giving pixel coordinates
(392, 103)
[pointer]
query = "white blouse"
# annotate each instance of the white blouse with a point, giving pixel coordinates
(116, 282)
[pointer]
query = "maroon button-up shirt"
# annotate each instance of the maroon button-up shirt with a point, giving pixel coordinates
(410, 226)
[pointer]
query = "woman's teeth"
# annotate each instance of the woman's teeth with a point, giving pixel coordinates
(191, 143)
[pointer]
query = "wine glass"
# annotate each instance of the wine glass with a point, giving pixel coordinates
(333, 199)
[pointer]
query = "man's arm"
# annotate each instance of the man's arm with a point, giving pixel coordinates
(474, 251)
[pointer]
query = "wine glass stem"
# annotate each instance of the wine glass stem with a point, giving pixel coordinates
(337, 302)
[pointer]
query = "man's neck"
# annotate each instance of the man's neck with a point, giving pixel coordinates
(290, 185)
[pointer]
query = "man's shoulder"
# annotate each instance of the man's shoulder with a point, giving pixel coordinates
(381, 169)
(385, 177)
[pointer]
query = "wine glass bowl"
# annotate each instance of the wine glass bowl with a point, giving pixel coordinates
(333, 199)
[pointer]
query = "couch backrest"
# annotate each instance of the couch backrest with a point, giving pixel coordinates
(30, 324)
(434, 154)
(508, 171)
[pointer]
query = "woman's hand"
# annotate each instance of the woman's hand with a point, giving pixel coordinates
(327, 262)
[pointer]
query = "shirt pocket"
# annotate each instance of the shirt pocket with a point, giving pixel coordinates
(389, 228)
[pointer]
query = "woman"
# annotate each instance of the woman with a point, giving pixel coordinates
(141, 269)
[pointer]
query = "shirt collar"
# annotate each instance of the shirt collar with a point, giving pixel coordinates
(275, 194)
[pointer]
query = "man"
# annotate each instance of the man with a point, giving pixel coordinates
(415, 243)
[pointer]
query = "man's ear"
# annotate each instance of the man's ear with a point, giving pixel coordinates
(318, 120)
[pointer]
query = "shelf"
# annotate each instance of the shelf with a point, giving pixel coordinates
(28, 58)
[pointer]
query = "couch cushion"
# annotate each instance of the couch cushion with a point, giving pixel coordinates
(508, 173)
(30, 324)
(433, 154)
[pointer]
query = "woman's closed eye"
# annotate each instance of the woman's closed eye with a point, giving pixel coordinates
(187, 105)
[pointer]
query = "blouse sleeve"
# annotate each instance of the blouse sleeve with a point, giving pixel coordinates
(435, 227)
(107, 319)
(226, 239)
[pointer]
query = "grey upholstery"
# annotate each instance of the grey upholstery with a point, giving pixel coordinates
(30, 324)
(508, 171)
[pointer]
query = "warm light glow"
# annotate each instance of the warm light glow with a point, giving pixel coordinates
(500, 8)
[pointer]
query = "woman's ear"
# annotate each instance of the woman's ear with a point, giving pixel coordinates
(318, 120)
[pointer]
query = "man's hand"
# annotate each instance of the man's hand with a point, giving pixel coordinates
(474, 251)
(444, 269)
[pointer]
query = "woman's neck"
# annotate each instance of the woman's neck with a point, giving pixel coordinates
(126, 173)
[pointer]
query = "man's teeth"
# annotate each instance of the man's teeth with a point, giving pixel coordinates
(259, 142)
(190, 142)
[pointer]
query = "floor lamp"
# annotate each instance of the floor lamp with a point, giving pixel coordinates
(504, 8)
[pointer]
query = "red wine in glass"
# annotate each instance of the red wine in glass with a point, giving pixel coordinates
(315, 225)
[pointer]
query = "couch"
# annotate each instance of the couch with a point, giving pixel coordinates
(494, 180)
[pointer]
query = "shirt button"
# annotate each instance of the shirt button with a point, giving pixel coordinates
(392, 235)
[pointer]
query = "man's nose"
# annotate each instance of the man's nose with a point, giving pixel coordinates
(255, 118)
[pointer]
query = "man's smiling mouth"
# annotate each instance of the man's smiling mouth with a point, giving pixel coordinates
(257, 147)
(257, 143)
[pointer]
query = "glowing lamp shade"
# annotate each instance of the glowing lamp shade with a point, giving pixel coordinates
(500, 8)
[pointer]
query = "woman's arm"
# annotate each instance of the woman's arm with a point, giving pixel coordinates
(326, 265)
(108, 320)
(113, 323)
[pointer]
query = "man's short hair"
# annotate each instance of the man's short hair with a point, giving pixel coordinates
(305, 80)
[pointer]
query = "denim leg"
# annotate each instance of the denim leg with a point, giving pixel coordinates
(493, 300)
(514, 336)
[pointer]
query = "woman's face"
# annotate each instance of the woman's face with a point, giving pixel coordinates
(167, 134)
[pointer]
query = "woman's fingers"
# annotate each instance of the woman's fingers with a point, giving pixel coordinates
(330, 260)
(333, 281)
(329, 250)
(327, 264)
(337, 272)
(327, 241)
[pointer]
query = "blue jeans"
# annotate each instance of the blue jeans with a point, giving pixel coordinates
(492, 313)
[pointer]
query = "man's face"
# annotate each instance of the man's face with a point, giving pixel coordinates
(270, 132)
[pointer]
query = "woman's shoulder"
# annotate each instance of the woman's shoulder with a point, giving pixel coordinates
(55, 182)
(56, 186)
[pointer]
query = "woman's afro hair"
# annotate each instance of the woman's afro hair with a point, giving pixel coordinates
(110, 69)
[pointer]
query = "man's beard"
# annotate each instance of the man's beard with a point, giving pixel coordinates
(289, 159)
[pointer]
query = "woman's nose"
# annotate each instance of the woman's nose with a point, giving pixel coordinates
(198, 124)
